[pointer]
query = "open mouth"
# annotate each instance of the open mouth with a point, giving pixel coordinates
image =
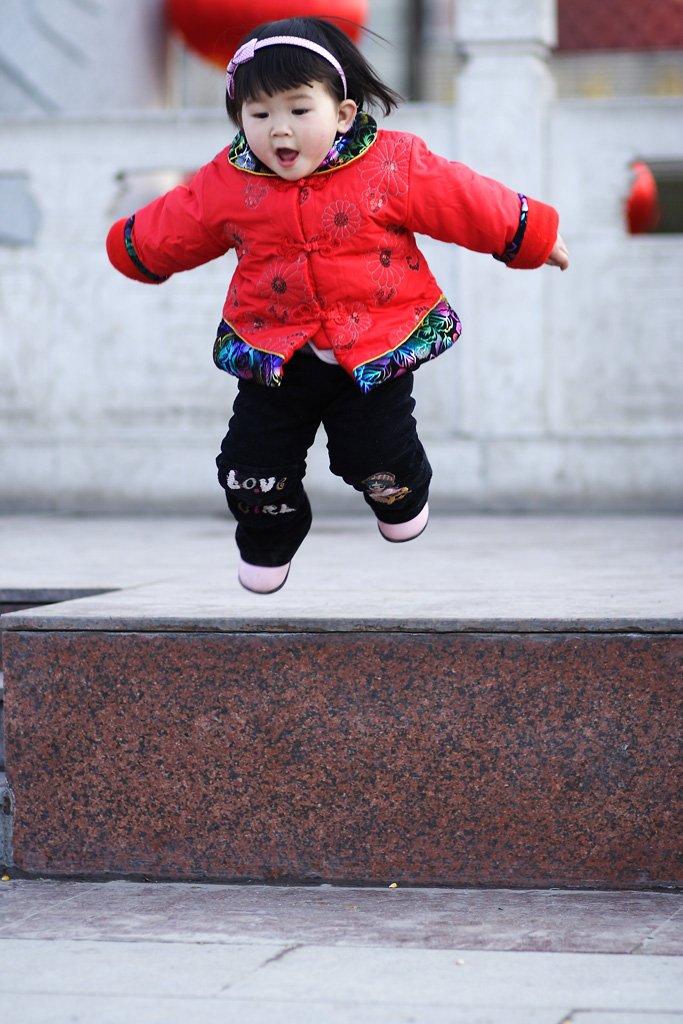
(286, 157)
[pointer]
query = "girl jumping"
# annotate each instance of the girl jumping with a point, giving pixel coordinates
(332, 305)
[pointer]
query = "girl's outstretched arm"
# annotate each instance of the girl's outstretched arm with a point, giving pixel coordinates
(449, 201)
(559, 255)
(177, 231)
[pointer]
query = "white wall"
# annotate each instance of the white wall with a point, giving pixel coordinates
(564, 391)
(108, 394)
(81, 56)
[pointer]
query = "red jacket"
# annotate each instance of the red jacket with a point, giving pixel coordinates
(332, 258)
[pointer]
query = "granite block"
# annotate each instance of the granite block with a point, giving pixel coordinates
(6, 809)
(425, 759)
(13, 599)
(6, 608)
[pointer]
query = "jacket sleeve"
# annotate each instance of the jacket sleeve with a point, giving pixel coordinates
(450, 202)
(173, 233)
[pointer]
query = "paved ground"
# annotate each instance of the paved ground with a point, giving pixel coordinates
(130, 953)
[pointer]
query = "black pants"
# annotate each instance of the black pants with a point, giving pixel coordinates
(371, 438)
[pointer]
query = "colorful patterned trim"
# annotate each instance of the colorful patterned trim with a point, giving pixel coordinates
(240, 359)
(516, 243)
(435, 333)
(130, 249)
(347, 147)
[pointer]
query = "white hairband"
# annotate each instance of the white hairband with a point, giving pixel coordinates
(246, 53)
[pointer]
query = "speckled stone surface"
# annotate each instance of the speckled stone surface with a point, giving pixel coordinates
(430, 759)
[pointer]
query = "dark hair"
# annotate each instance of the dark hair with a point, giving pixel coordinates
(278, 68)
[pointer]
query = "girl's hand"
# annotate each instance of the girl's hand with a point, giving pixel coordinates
(559, 255)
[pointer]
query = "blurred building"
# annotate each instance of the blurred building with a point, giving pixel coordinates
(604, 48)
(564, 391)
(619, 48)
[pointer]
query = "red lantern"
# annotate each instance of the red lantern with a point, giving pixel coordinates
(214, 28)
(642, 204)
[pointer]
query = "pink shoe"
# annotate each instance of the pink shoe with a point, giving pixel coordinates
(262, 579)
(397, 533)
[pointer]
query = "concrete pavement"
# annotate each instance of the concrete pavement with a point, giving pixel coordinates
(131, 953)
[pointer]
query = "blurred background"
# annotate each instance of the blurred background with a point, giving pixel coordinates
(564, 392)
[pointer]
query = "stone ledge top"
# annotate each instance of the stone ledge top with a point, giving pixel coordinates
(530, 574)
(169, 609)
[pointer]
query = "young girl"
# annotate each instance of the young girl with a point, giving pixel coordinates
(332, 305)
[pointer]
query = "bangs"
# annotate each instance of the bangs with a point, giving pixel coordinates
(280, 68)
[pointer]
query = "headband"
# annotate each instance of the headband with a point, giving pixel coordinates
(246, 53)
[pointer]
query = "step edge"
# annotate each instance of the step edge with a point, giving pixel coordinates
(37, 623)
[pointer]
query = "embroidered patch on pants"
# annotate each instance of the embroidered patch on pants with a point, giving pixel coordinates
(266, 510)
(255, 494)
(258, 485)
(382, 487)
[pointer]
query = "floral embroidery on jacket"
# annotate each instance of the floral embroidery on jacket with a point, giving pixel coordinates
(254, 190)
(250, 323)
(237, 238)
(283, 285)
(341, 218)
(350, 321)
(386, 265)
(386, 171)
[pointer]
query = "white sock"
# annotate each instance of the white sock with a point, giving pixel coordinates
(262, 579)
(398, 532)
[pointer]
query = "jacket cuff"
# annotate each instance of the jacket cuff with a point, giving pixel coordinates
(540, 236)
(122, 254)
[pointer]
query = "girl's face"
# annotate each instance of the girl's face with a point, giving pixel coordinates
(292, 132)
